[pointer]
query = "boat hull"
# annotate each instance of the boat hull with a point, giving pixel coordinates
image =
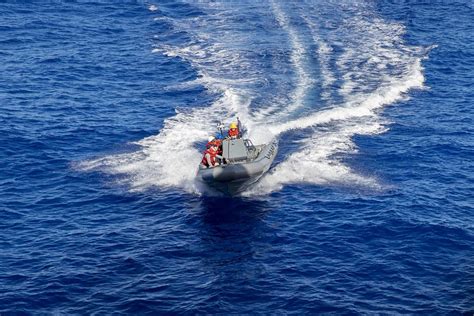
(232, 179)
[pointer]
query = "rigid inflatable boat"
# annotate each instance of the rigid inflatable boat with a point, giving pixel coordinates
(242, 165)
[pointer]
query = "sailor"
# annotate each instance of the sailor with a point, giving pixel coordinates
(218, 136)
(233, 130)
(209, 141)
(219, 150)
(209, 159)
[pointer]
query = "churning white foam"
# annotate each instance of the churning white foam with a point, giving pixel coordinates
(379, 47)
(299, 60)
(372, 69)
(324, 56)
(314, 162)
(152, 8)
(170, 158)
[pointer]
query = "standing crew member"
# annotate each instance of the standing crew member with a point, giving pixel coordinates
(233, 130)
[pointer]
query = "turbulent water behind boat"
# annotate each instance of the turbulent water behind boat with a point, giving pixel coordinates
(105, 109)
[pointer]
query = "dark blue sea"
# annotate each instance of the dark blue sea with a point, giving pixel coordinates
(105, 107)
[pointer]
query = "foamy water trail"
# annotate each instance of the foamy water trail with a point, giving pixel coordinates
(358, 114)
(299, 62)
(315, 162)
(356, 69)
(324, 56)
(170, 158)
(360, 106)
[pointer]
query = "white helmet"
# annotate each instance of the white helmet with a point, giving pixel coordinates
(210, 139)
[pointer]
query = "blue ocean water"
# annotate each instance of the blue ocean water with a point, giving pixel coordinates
(367, 209)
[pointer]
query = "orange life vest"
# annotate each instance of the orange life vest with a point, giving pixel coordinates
(234, 132)
(212, 154)
(218, 143)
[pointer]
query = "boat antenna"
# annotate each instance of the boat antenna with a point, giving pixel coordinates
(220, 127)
(239, 126)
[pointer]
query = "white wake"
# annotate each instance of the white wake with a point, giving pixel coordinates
(329, 83)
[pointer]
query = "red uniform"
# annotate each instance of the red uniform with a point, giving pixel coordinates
(209, 161)
(218, 143)
(233, 132)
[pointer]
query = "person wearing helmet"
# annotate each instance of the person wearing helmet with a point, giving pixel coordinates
(218, 136)
(209, 141)
(233, 130)
(218, 142)
(210, 158)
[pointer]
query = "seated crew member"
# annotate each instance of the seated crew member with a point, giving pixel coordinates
(209, 141)
(233, 130)
(210, 155)
(218, 141)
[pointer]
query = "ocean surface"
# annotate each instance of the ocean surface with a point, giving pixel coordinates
(105, 107)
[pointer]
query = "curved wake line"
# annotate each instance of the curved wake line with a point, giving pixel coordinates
(373, 69)
(323, 52)
(315, 163)
(298, 58)
(381, 97)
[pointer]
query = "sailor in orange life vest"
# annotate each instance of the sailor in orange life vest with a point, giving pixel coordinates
(233, 130)
(211, 154)
(218, 143)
